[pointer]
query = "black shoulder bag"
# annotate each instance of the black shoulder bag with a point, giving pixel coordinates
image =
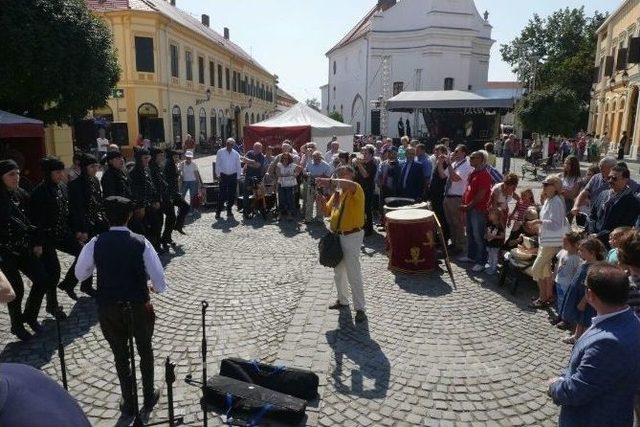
(329, 247)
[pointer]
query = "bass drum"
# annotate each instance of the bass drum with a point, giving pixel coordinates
(411, 240)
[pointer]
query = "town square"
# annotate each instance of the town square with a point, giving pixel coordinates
(378, 213)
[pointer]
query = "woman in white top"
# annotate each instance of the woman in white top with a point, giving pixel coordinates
(287, 172)
(503, 193)
(553, 226)
(571, 181)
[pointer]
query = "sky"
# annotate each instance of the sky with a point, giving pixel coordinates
(290, 37)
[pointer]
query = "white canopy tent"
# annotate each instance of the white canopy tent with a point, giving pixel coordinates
(299, 117)
(451, 99)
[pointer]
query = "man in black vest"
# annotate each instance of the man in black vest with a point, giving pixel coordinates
(123, 261)
(156, 169)
(145, 195)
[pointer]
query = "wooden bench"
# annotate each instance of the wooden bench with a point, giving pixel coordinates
(510, 269)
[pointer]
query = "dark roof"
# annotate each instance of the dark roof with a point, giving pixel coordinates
(177, 15)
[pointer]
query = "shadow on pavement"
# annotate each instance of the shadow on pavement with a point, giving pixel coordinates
(352, 342)
(39, 350)
(424, 284)
(225, 224)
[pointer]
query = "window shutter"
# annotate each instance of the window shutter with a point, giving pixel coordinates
(634, 50)
(608, 66)
(621, 62)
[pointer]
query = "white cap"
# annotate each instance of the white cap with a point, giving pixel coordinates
(189, 154)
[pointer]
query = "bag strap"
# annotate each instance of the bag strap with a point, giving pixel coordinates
(341, 212)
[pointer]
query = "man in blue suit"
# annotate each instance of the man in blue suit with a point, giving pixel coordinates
(603, 375)
(412, 178)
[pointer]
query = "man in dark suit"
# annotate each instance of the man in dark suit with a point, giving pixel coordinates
(599, 385)
(412, 178)
(617, 207)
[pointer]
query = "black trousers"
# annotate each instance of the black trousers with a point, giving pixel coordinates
(114, 326)
(228, 187)
(152, 220)
(369, 200)
(437, 201)
(171, 221)
(31, 266)
(69, 245)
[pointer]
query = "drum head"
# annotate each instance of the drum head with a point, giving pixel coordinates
(396, 202)
(401, 215)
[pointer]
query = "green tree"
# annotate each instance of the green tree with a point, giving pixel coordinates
(57, 61)
(313, 103)
(336, 116)
(555, 110)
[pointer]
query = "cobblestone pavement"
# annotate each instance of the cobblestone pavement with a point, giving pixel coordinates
(431, 354)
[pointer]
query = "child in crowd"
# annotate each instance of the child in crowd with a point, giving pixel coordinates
(615, 239)
(517, 217)
(575, 309)
(566, 269)
(494, 238)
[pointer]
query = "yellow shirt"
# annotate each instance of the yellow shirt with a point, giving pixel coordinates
(353, 215)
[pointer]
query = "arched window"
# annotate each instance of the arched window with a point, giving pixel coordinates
(253, 119)
(203, 125)
(176, 122)
(191, 122)
(146, 114)
(214, 123)
(448, 83)
(246, 118)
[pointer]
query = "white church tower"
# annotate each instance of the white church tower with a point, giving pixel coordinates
(406, 45)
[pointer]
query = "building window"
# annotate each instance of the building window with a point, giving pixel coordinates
(212, 74)
(235, 81)
(251, 88)
(335, 67)
(227, 79)
(191, 122)
(448, 83)
(246, 85)
(176, 120)
(203, 126)
(470, 87)
(397, 87)
(144, 54)
(214, 122)
(201, 70)
(220, 76)
(188, 59)
(175, 64)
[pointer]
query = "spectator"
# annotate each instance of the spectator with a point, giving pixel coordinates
(189, 143)
(332, 153)
(189, 176)
(412, 178)
(74, 171)
(346, 210)
(427, 168)
(596, 185)
(617, 207)
(475, 204)
(255, 168)
(389, 175)
(553, 226)
(228, 171)
(568, 262)
(575, 309)
(503, 193)
(629, 259)
(287, 173)
(438, 184)
(509, 150)
(603, 376)
(457, 170)
(28, 397)
(402, 150)
(366, 169)
(517, 217)
(318, 168)
(570, 177)
(494, 237)
(498, 146)
(491, 156)
(616, 238)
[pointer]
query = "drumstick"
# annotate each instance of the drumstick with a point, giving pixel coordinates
(446, 252)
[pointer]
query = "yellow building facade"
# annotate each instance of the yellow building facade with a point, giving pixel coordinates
(615, 101)
(178, 77)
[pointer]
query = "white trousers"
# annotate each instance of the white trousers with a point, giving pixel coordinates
(349, 270)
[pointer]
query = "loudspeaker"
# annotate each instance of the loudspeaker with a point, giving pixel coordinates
(120, 133)
(211, 192)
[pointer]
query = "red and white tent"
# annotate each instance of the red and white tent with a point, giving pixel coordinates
(300, 124)
(22, 139)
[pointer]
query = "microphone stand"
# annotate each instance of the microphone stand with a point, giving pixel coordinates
(205, 305)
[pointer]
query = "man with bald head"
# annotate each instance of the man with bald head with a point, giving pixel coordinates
(228, 170)
(317, 168)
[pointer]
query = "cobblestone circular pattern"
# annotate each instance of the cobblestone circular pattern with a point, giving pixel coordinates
(430, 354)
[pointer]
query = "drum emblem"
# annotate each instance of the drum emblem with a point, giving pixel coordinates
(415, 256)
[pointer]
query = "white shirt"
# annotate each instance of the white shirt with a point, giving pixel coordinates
(228, 163)
(598, 319)
(189, 171)
(152, 265)
(286, 175)
(103, 144)
(330, 156)
(463, 168)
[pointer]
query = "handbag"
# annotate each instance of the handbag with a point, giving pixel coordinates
(329, 248)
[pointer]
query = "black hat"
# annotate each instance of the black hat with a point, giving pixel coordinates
(117, 206)
(111, 155)
(87, 160)
(7, 165)
(141, 152)
(50, 164)
(155, 151)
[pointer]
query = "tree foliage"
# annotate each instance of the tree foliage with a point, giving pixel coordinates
(57, 61)
(313, 103)
(555, 110)
(557, 51)
(336, 116)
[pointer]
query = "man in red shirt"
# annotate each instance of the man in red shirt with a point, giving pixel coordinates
(475, 202)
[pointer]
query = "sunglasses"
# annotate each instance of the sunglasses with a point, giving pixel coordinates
(612, 178)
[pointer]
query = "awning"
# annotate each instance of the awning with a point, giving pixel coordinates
(450, 100)
(14, 126)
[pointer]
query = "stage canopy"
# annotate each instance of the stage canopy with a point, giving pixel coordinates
(300, 124)
(22, 139)
(451, 99)
(14, 126)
